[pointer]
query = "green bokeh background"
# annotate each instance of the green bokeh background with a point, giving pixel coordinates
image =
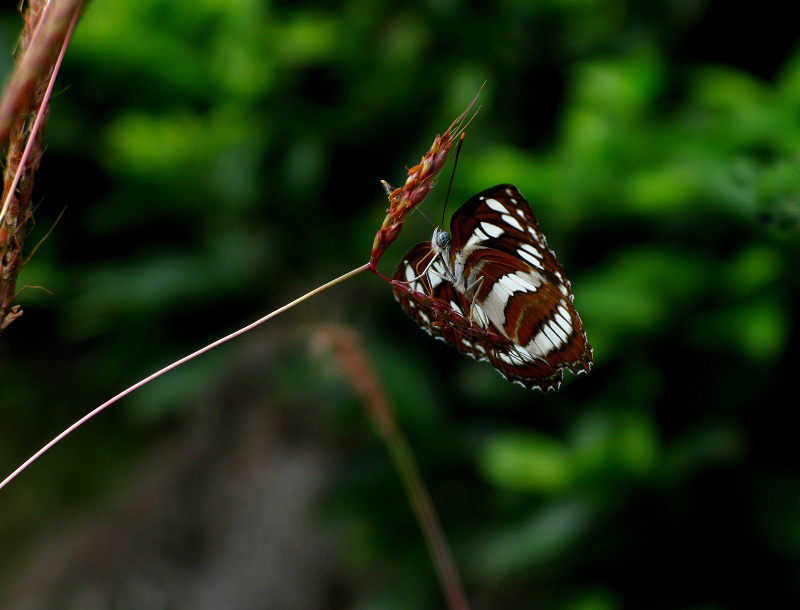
(216, 159)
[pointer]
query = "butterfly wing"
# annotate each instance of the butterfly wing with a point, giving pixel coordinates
(520, 315)
(411, 276)
(501, 218)
(524, 292)
(441, 311)
(536, 317)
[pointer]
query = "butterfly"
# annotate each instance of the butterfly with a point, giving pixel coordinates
(493, 289)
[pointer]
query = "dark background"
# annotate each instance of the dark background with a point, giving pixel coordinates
(215, 160)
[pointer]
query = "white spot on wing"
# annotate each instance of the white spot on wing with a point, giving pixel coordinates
(522, 356)
(562, 318)
(523, 254)
(535, 236)
(510, 283)
(519, 283)
(434, 279)
(539, 345)
(550, 331)
(479, 316)
(512, 221)
(491, 230)
(496, 206)
(501, 292)
(505, 358)
(531, 250)
(560, 330)
(474, 239)
(563, 325)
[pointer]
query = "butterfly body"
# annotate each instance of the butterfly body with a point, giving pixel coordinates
(495, 291)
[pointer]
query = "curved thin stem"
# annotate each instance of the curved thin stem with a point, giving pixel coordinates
(176, 364)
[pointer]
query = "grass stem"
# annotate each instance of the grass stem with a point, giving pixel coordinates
(176, 364)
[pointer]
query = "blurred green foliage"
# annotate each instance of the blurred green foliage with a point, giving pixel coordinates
(217, 159)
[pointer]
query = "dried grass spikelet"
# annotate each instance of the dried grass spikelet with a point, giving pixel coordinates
(23, 110)
(417, 186)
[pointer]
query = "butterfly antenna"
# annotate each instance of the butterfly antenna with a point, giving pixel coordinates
(452, 175)
(418, 209)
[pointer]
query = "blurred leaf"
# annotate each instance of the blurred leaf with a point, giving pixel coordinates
(595, 600)
(637, 294)
(778, 513)
(665, 189)
(541, 538)
(708, 446)
(625, 444)
(530, 462)
(757, 329)
(754, 269)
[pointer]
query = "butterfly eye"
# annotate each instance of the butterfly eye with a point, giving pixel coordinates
(442, 239)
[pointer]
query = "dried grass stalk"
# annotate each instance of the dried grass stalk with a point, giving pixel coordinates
(23, 110)
(356, 366)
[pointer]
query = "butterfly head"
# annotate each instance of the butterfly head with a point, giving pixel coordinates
(440, 241)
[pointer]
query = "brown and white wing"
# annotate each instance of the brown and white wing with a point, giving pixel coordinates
(501, 218)
(519, 315)
(530, 311)
(432, 301)
(442, 312)
(523, 290)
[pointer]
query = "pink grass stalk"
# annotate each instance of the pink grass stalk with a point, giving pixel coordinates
(173, 365)
(48, 26)
(359, 372)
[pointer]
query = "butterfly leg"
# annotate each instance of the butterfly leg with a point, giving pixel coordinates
(474, 287)
(430, 270)
(425, 271)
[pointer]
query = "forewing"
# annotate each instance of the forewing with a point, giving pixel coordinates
(501, 218)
